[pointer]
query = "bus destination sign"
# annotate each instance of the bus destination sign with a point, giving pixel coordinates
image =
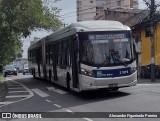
(106, 36)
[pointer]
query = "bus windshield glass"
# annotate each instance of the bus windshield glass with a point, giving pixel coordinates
(106, 48)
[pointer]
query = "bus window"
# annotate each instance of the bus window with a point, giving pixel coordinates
(97, 49)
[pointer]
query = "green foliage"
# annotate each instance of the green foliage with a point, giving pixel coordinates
(17, 19)
(1, 77)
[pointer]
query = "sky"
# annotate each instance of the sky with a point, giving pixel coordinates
(68, 16)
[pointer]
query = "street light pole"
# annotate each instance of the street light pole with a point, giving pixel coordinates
(152, 17)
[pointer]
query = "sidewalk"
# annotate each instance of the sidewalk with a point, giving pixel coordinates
(143, 81)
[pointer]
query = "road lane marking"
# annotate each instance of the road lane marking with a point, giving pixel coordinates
(69, 111)
(16, 88)
(16, 91)
(13, 85)
(5, 103)
(87, 119)
(50, 88)
(40, 93)
(56, 90)
(57, 105)
(16, 96)
(48, 100)
(60, 91)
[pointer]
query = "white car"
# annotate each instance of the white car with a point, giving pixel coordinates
(25, 69)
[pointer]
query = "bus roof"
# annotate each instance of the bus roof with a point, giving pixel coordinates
(36, 44)
(92, 25)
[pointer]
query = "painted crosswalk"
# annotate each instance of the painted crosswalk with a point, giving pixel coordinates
(5, 103)
(15, 88)
(14, 96)
(40, 93)
(16, 92)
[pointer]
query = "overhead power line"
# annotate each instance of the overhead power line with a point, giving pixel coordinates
(135, 15)
(108, 9)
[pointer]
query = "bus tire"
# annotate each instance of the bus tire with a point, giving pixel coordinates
(34, 74)
(50, 76)
(68, 80)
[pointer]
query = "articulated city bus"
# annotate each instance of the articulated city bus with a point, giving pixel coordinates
(86, 55)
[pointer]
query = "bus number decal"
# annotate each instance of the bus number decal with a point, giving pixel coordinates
(124, 72)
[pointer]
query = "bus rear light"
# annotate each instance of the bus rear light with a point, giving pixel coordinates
(87, 72)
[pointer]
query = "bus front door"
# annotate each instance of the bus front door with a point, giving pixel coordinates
(54, 62)
(74, 52)
(38, 63)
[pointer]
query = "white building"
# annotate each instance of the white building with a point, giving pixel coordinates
(87, 9)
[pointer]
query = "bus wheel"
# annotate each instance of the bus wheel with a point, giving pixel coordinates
(50, 76)
(68, 79)
(34, 76)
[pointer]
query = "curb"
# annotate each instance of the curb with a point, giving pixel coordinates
(3, 91)
(143, 81)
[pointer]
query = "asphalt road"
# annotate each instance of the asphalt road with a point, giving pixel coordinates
(30, 95)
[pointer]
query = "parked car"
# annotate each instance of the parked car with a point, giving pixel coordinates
(9, 70)
(25, 69)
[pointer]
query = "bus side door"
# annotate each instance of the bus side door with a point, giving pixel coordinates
(74, 55)
(55, 62)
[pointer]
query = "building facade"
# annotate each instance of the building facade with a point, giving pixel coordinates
(87, 9)
(131, 18)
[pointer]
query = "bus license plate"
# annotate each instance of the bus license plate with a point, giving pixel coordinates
(113, 85)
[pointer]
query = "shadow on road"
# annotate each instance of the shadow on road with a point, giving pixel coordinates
(101, 94)
(65, 100)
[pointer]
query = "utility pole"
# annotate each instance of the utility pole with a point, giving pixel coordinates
(152, 19)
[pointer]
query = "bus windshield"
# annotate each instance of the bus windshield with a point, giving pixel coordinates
(106, 48)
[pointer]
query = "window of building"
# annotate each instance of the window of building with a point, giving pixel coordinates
(79, 3)
(99, 9)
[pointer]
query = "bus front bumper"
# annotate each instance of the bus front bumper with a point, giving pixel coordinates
(90, 83)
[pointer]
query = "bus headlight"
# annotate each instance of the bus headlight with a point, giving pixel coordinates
(87, 72)
(133, 69)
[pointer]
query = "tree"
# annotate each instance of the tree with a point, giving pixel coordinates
(17, 19)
